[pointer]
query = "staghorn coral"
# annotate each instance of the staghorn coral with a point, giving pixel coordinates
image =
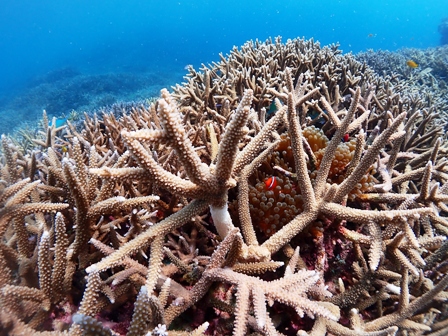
(426, 85)
(144, 240)
(275, 198)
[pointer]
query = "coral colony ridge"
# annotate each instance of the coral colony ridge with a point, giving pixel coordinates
(287, 189)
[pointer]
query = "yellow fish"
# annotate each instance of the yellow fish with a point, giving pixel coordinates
(412, 64)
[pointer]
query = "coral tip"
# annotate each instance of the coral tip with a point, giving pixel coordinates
(271, 183)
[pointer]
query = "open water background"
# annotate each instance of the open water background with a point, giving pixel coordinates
(52, 46)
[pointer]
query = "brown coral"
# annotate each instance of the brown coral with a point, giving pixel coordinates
(142, 204)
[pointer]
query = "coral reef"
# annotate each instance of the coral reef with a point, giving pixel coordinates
(62, 91)
(430, 61)
(426, 83)
(159, 221)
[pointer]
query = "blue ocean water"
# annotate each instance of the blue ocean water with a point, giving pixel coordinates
(41, 40)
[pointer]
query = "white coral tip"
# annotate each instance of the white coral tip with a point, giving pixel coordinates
(92, 269)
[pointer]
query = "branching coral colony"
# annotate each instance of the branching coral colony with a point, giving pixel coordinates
(286, 190)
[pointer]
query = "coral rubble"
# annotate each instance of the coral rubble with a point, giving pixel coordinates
(285, 190)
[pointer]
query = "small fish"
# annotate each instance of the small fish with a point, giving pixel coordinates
(271, 183)
(314, 114)
(371, 35)
(346, 137)
(272, 108)
(412, 64)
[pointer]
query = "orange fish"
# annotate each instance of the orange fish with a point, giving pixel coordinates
(412, 64)
(271, 183)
